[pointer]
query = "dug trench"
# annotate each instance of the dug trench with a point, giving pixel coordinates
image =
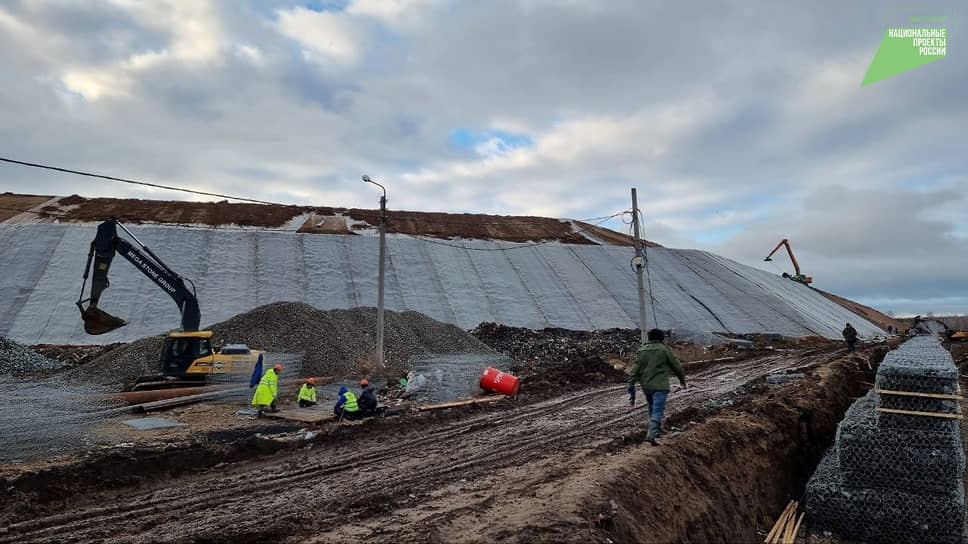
(727, 479)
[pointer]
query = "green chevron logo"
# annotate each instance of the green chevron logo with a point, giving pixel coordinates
(902, 49)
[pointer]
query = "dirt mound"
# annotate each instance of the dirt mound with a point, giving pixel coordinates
(539, 381)
(557, 345)
(74, 355)
(334, 342)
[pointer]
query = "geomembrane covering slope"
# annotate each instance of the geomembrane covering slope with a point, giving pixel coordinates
(581, 287)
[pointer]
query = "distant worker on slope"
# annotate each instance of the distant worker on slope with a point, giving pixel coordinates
(850, 336)
(346, 405)
(653, 364)
(265, 393)
(368, 401)
(307, 393)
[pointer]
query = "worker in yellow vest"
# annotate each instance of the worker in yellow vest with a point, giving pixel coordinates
(307, 393)
(265, 393)
(346, 405)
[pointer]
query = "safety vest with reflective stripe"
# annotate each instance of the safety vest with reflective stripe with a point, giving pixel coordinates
(265, 393)
(307, 393)
(350, 404)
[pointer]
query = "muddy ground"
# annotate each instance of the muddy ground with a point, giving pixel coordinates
(565, 467)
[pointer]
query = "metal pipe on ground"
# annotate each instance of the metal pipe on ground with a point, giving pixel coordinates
(141, 397)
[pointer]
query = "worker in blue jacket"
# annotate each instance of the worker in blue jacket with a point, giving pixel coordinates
(346, 405)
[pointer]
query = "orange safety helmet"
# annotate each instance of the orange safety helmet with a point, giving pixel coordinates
(277, 367)
(311, 381)
(364, 383)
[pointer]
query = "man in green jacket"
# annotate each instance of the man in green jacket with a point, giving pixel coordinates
(653, 364)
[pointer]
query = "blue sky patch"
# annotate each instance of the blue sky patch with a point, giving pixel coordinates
(717, 235)
(466, 138)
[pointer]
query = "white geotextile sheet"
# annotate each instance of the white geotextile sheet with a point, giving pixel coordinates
(580, 287)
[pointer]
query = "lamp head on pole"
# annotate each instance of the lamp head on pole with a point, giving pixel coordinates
(367, 179)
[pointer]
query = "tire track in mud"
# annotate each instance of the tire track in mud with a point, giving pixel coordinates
(442, 452)
(270, 482)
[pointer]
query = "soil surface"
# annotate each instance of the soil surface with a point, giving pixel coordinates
(559, 467)
(12, 205)
(319, 220)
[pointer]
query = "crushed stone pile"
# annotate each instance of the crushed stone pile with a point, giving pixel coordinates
(16, 358)
(333, 342)
(557, 345)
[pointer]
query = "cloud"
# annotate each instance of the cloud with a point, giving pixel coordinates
(738, 126)
(325, 37)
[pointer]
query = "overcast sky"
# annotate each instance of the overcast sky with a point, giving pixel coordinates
(740, 122)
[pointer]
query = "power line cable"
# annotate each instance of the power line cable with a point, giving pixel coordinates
(135, 182)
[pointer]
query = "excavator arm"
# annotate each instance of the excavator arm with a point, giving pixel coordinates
(106, 244)
(785, 243)
(796, 266)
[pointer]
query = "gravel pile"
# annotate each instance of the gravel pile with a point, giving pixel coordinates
(333, 342)
(557, 345)
(16, 358)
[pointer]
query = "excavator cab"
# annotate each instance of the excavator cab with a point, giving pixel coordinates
(182, 349)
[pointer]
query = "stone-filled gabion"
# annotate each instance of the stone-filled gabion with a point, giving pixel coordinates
(881, 515)
(896, 477)
(881, 457)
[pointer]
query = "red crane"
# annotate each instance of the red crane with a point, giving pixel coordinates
(796, 266)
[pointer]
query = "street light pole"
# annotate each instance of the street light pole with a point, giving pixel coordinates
(379, 298)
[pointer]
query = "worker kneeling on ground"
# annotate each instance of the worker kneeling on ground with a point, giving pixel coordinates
(653, 364)
(307, 393)
(368, 402)
(346, 405)
(265, 393)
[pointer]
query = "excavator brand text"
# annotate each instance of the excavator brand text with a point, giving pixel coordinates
(133, 257)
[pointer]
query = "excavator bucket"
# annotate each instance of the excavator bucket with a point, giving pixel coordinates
(97, 321)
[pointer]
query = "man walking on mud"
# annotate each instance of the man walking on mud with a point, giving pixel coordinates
(653, 364)
(850, 336)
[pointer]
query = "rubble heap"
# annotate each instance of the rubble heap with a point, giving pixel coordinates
(893, 477)
(330, 343)
(16, 358)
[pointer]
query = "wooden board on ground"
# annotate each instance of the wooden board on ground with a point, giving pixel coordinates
(466, 402)
(304, 415)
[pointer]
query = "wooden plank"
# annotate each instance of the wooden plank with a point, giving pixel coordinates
(915, 394)
(796, 529)
(466, 402)
(779, 523)
(914, 413)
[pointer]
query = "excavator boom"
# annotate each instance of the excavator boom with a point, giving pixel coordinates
(106, 244)
(796, 266)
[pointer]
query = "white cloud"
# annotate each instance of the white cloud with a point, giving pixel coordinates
(326, 37)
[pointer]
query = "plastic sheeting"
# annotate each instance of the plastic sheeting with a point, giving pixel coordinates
(581, 287)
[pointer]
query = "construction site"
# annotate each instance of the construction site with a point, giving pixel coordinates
(130, 420)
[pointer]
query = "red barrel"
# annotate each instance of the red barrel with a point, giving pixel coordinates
(500, 382)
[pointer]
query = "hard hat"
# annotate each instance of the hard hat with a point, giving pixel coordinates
(277, 367)
(311, 381)
(364, 383)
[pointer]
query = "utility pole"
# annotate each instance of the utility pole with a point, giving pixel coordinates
(379, 296)
(639, 263)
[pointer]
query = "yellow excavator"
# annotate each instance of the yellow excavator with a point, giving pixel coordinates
(796, 266)
(188, 357)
